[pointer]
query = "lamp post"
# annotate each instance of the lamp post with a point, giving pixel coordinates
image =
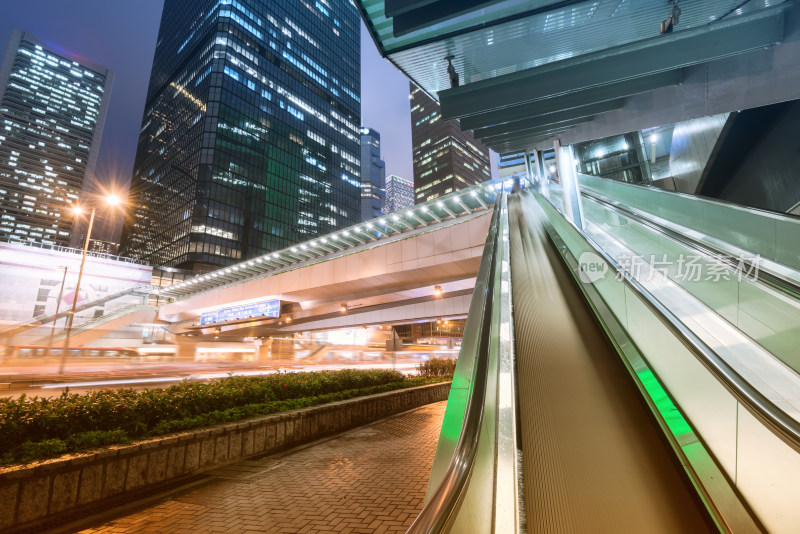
(110, 200)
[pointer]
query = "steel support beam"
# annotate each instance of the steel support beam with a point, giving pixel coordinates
(550, 119)
(595, 95)
(534, 132)
(659, 54)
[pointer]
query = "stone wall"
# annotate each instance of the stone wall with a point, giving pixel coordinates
(42, 492)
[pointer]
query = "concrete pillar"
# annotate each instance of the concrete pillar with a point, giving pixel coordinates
(643, 159)
(264, 351)
(542, 176)
(185, 351)
(532, 178)
(569, 183)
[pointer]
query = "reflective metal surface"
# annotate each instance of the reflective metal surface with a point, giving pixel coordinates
(442, 505)
(672, 335)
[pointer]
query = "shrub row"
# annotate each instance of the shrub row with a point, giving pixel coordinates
(438, 367)
(37, 427)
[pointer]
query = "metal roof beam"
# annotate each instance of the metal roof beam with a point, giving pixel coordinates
(512, 147)
(594, 95)
(419, 14)
(650, 56)
(559, 126)
(550, 118)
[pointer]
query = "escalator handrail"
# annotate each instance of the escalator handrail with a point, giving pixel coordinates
(776, 281)
(439, 512)
(782, 424)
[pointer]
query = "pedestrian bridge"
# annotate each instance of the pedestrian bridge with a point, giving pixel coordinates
(411, 266)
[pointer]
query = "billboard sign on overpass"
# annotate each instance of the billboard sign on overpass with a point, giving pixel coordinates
(269, 308)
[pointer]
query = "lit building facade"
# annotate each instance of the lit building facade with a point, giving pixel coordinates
(373, 175)
(399, 194)
(250, 136)
(52, 112)
(104, 247)
(445, 158)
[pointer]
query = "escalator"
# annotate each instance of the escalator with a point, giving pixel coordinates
(602, 404)
(594, 460)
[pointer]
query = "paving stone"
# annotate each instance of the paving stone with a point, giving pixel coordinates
(370, 479)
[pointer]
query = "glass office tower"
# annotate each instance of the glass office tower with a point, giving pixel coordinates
(399, 194)
(250, 136)
(52, 112)
(373, 175)
(445, 158)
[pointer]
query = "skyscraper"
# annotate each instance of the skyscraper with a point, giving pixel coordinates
(52, 111)
(399, 194)
(250, 136)
(373, 175)
(445, 158)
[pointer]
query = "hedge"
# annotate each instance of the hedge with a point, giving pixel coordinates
(437, 367)
(33, 428)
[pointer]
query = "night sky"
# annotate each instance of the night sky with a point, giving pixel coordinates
(121, 35)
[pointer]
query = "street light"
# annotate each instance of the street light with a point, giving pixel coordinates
(112, 201)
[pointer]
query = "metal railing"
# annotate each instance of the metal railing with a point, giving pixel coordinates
(670, 366)
(438, 513)
(462, 497)
(783, 424)
(71, 250)
(93, 322)
(40, 320)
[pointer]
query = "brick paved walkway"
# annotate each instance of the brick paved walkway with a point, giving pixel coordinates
(371, 480)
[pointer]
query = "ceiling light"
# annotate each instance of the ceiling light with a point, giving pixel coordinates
(343, 308)
(437, 291)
